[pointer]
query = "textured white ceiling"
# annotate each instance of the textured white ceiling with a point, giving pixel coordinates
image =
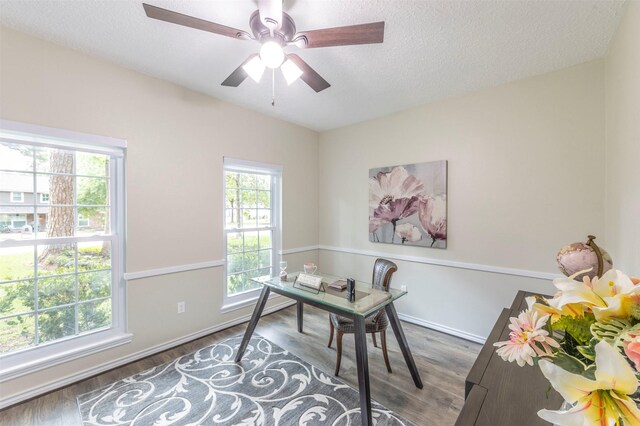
(432, 49)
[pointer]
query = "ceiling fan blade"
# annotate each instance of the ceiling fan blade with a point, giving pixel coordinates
(309, 75)
(239, 74)
(341, 36)
(192, 22)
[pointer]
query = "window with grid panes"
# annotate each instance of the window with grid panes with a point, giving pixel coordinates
(250, 225)
(60, 285)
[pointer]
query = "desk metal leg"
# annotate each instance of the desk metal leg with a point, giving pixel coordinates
(362, 364)
(257, 311)
(402, 341)
(300, 310)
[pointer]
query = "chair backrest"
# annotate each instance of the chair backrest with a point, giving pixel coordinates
(383, 269)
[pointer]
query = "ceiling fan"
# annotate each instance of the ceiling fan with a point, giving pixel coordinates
(274, 30)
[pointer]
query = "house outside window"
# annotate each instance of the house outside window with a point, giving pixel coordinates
(251, 225)
(62, 290)
(17, 197)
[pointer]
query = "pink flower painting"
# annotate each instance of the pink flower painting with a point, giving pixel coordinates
(407, 204)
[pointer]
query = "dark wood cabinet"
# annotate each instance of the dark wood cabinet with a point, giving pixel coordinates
(499, 393)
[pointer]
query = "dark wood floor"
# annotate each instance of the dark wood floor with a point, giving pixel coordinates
(443, 362)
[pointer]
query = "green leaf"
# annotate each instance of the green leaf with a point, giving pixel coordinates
(568, 363)
(577, 327)
(589, 351)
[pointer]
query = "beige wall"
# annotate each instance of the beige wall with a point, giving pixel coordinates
(176, 141)
(526, 177)
(622, 209)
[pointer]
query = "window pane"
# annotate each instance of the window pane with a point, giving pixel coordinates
(263, 181)
(16, 188)
(264, 199)
(232, 180)
(247, 198)
(16, 263)
(56, 324)
(250, 241)
(234, 283)
(56, 291)
(56, 259)
(231, 217)
(265, 239)
(16, 298)
(231, 197)
(92, 164)
(92, 221)
(94, 285)
(265, 258)
(250, 285)
(59, 216)
(247, 180)
(94, 315)
(52, 160)
(249, 218)
(92, 191)
(16, 157)
(17, 333)
(234, 263)
(18, 222)
(42, 189)
(234, 242)
(264, 217)
(60, 221)
(251, 260)
(94, 255)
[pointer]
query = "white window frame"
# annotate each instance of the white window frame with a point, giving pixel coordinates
(42, 200)
(239, 300)
(25, 361)
(12, 193)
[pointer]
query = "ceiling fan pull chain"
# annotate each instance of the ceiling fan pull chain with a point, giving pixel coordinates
(273, 87)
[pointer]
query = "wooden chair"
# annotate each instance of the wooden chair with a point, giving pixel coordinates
(382, 271)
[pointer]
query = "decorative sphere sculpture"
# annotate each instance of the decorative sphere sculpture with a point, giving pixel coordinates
(582, 256)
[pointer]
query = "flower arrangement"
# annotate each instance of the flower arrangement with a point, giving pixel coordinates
(586, 342)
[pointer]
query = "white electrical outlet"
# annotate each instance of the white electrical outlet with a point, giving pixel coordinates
(403, 287)
(181, 307)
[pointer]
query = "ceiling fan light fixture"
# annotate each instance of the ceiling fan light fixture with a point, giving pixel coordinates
(272, 54)
(254, 68)
(290, 71)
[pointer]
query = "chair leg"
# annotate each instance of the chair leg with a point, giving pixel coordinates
(375, 344)
(383, 337)
(339, 351)
(330, 333)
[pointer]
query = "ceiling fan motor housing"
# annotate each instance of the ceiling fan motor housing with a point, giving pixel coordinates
(262, 33)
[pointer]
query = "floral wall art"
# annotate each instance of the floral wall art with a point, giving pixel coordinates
(408, 204)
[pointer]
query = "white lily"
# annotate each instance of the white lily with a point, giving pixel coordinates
(610, 296)
(603, 401)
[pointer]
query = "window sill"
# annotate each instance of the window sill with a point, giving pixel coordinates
(231, 306)
(31, 360)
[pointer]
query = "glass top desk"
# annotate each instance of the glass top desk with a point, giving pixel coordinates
(368, 302)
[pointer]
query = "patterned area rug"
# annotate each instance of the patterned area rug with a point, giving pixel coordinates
(268, 387)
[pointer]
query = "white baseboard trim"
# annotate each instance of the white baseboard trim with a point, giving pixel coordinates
(442, 328)
(173, 269)
(56, 384)
(547, 276)
(298, 250)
